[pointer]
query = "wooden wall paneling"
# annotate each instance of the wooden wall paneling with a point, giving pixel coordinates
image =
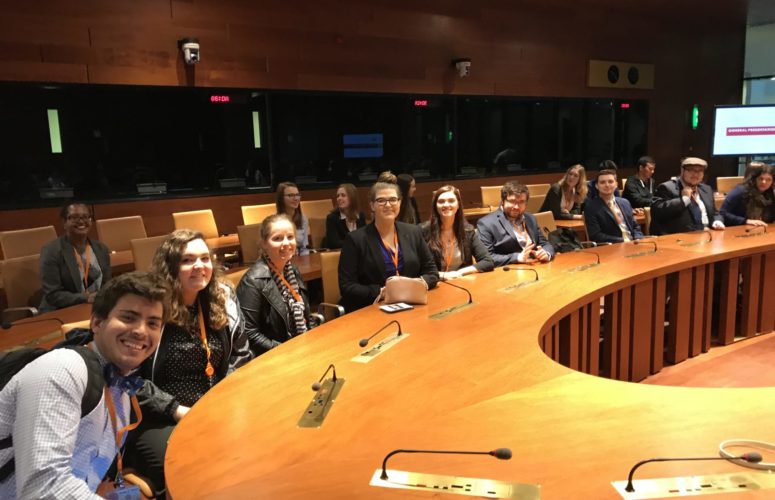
(569, 341)
(728, 279)
(751, 281)
(766, 318)
(592, 336)
(608, 361)
(697, 319)
(680, 286)
(617, 336)
(710, 288)
(642, 327)
(658, 323)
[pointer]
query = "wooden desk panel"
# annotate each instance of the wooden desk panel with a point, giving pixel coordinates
(477, 379)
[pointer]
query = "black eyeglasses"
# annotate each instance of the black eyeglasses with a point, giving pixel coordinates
(79, 218)
(385, 201)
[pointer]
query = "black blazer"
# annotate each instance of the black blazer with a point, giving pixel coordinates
(497, 234)
(637, 194)
(336, 228)
(669, 214)
(362, 267)
(60, 275)
(553, 202)
(601, 222)
(473, 248)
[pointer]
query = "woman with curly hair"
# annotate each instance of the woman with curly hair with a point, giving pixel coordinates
(272, 294)
(203, 341)
(453, 242)
(565, 198)
(752, 201)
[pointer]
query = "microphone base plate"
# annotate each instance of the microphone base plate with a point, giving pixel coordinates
(670, 487)
(456, 485)
(379, 348)
(318, 408)
(583, 267)
(451, 310)
(517, 286)
(640, 254)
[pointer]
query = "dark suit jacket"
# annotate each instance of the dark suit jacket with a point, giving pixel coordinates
(60, 275)
(472, 249)
(553, 202)
(601, 222)
(336, 229)
(636, 193)
(497, 234)
(669, 214)
(362, 266)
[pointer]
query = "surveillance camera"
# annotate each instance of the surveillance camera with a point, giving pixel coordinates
(463, 67)
(190, 49)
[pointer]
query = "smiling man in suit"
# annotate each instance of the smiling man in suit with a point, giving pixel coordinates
(510, 233)
(609, 219)
(684, 203)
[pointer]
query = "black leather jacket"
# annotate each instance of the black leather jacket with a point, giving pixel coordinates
(266, 314)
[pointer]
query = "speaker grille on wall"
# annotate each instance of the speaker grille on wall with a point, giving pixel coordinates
(620, 75)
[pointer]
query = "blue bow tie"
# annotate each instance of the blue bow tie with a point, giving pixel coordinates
(127, 383)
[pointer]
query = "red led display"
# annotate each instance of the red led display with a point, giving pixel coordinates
(625, 105)
(219, 98)
(421, 103)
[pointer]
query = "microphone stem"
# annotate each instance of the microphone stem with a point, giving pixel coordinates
(384, 475)
(630, 487)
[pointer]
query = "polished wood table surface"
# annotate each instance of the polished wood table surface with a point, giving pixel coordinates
(495, 374)
(43, 330)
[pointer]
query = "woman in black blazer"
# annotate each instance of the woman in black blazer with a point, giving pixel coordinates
(452, 241)
(565, 198)
(381, 249)
(345, 218)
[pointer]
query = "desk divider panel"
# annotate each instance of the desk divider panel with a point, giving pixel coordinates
(751, 271)
(766, 321)
(729, 277)
(658, 324)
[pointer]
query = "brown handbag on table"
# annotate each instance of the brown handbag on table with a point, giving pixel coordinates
(407, 290)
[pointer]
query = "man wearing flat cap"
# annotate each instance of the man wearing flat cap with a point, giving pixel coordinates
(684, 203)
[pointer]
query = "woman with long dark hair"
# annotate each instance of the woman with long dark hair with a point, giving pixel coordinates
(288, 202)
(408, 212)
(752, 201)
(565, 198)
(453, 241)
(345, 218)
(203, 341)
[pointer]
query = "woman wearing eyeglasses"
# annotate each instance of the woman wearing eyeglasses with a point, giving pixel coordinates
(204, 341)
(452, 241)
(73, 267)
(289, 203)
(381, 249)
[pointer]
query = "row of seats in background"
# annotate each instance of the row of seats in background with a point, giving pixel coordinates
(20, 268)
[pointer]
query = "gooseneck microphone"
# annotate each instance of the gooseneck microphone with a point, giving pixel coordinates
(509, 268)
(365, 342)
(7, 324)
(752, 457)
(470, 298)
(756, 228)
(317, 385)
(597, 255)
(647, 242)
(499, 453)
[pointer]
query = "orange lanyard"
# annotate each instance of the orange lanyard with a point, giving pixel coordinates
(209, 371)
(120, 432)
(293, 291)
(449, 252)
(393, 253)
(84, 265)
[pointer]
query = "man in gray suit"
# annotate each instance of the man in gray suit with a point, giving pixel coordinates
(73, 267)
(684, 203)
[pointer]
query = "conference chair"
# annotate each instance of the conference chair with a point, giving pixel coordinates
(647, 223)
(24, 242)
(117, 233)
(546, 220)
(143, 250)
(197, 220)
(538, 189)
(726, 184)
(21, 281)
(235, 277)
(255, 214)
(316, 212)
(329, 274)
(86, 323)
(491, 196)
(249, 237)
(534, 203)
(624, 183)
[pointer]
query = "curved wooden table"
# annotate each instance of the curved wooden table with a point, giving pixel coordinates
(477, 380)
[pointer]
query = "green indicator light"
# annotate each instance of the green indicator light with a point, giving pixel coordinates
(53, 130)
(695, 117)
(449, 136)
